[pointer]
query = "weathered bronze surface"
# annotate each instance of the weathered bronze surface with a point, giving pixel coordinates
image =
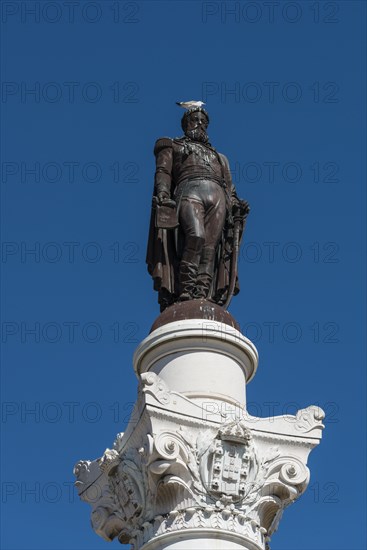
(195, 309)
(197, 219)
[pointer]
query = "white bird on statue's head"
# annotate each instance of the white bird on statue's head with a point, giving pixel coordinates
(190, 104)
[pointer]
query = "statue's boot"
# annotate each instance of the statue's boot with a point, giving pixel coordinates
(188, 277)
(205, 274)
(189, 267)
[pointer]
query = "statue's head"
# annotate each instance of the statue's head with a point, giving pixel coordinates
(195, 123)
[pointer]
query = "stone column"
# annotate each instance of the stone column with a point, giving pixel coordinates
(193, 469)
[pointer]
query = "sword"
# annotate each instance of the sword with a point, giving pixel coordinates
(240, 214)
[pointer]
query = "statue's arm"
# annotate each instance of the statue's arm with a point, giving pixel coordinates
(228, 179)
(164, 161)
(237, 204)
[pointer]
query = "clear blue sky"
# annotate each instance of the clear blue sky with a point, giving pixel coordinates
(284, 90)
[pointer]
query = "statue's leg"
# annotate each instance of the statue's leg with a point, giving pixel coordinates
(192, 225)
(214, 220)
(205, 273)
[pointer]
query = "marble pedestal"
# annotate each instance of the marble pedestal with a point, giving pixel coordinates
(193, 469)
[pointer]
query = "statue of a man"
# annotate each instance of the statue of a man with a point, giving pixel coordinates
(195, 259)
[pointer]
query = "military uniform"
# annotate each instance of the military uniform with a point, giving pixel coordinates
(194, 260)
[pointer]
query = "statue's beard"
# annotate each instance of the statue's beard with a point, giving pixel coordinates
(197, 134)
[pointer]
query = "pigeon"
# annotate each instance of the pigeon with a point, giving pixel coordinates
(190, 104)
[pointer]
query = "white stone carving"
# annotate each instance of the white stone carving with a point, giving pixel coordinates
(309, 419)
(227, 476)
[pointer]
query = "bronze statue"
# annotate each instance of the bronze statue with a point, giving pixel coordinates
(197, 219)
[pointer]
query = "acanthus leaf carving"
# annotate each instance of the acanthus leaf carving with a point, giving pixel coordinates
(309, 419)
(151, 383)
(217, 476)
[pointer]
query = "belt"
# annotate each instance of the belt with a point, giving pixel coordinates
(181, 186)
(203, 178)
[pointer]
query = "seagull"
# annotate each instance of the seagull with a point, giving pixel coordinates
(189, 104)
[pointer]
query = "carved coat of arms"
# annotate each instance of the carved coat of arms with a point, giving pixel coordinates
(229, 465)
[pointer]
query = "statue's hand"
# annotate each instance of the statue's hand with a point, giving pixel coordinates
(169, 202)
(158, 199)
(241, 208)
(163, 199)
(245, 207)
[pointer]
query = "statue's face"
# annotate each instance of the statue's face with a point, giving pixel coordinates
(197, 120)
(197, 124)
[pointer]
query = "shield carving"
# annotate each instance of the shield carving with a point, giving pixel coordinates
(230, 462)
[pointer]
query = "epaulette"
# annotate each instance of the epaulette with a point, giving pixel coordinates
(162, 143)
